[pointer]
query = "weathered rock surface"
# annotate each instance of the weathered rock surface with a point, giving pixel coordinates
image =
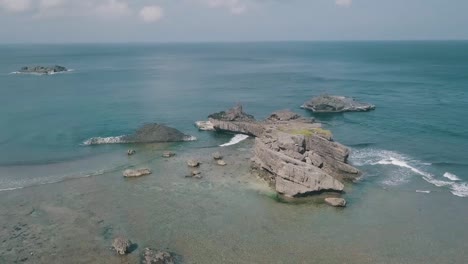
(296, 154)
(336, 202)
(151, 256)
(43, 69)
(168, 154)
(221, 162)
(194, 174)
(136, 173)
(150, 133)
(121, 245)
(332, 103)
(205, 125)
(217, 155)
(193, 163)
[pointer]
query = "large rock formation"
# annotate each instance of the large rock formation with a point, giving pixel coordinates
(43, 69)
(156, 133)
(294, 153)
(332, 103)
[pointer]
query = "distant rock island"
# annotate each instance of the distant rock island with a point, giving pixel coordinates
(333, 104)
(43, 69)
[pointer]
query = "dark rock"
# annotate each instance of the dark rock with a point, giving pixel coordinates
(234, 114)
(43, 69)
(336, 202)
(136, 173)
(168, 154)
(131, 152)
(121, 245)
(156, 133)
(151, 256)
(332, 103)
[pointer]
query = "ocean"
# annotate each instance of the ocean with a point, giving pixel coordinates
(412, 149)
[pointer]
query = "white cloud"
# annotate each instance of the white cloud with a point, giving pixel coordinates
(344, 3)
(151, 13)
(112, 8)
(234, 6)
(15, 5)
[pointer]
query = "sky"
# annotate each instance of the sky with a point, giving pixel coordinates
(75, 21)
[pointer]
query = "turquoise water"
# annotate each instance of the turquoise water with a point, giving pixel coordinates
(417, 135)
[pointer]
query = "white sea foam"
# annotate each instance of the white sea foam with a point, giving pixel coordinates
(104, 140)
(190, 138)
(423, 191)
(384, 157)
(41, 74)
(236, 139)
(451, 176)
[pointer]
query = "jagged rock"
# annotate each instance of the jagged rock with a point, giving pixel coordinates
(332, 103)
(193, 163)
(168, 154)
(336, 202)
(205, 125)
(221, 162)
(136, 173)
(217, 155)
(131, 152)
(286, 115)
(43, 69)
(151, 256)
(194, 174)
(121, 245)
(234, 114)
(156, 133)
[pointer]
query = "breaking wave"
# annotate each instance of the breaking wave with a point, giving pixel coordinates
(41, 74)
(104, 140)
(372, 157)
(234, 140)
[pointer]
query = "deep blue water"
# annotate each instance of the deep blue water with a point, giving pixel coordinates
(418, 132)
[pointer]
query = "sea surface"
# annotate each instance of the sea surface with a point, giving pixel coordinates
(412, 149)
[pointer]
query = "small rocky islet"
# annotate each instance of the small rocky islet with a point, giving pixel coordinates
(45, 70)
(336, 104)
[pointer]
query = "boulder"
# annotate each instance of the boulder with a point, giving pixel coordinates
(131, 173)
(168, 154)
(193, 163)
(150, 133)
(336, 202)
(151, 256)
(332, 103)
(217, 155)
(131, 152)
(221, 162)
(121, 245)
(194, 174)
(234, 114)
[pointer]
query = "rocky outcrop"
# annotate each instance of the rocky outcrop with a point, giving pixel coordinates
(296, 154)
(217, 155)
(168, 154)
(150, 133)
(151, 256)
(121, 245)
(43, 69)
(221, 162)
(136, 173)
(193, 163)
(332, 103)
(335, 202)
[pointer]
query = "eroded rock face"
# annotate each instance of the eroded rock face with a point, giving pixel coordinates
(296, 154)
(121, 245)
(332, 103)
(151, 256)
(217, 155)
(336, 202)
(136, 173)
(150, 133)
(193, 163)
(234, 114)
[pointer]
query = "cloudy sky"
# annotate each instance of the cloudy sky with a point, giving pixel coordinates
(230, 20)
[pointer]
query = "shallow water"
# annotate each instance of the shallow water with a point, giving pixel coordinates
(63, 201)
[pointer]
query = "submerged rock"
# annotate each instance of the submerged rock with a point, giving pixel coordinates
(121, 245)
(131, 152)
(217, 155)
(332, 103)
(336, 202)
(151, 256)
(193, 163)
(136, 173)
(150, 133)
(168, 154)
(221, 162)
(43, 69)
